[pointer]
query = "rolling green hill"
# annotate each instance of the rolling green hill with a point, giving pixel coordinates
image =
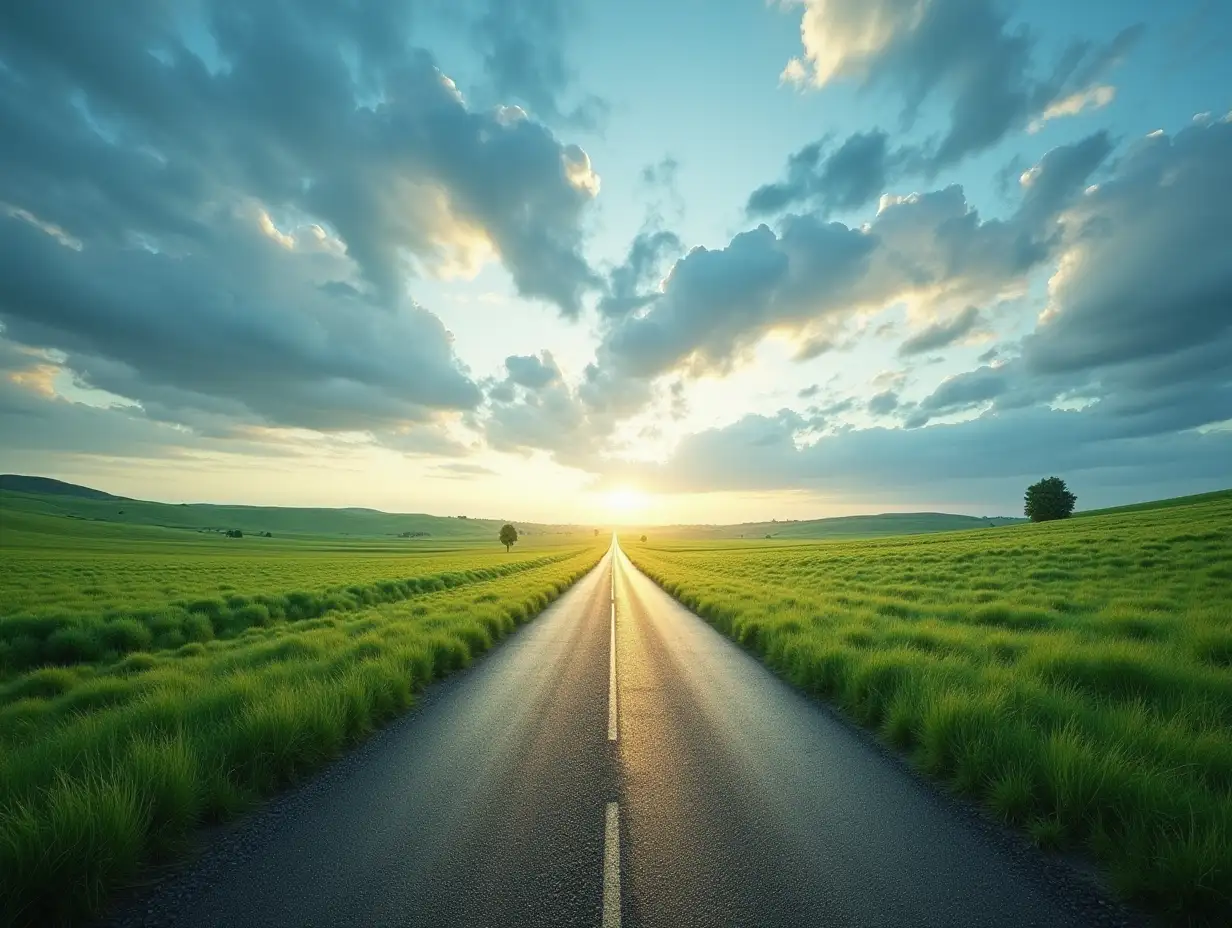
(22, 499)
(85, 505)
(873, 526)
(46, 486)
(1161, 503)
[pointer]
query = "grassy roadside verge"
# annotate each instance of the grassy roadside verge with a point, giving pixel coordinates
(76, 611)
(103, 768)
(1076, 678)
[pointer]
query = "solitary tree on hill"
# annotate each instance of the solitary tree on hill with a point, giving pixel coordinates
(508, 536)
(1048, 500)
(643, 538)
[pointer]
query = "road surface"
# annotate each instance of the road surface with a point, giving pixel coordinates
(615, 765)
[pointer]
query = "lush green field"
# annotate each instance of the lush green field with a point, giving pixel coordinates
(1074, 676)
(149, 682)
(73, 592)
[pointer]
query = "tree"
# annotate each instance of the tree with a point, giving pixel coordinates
(643, 538)
(508, 536)
(596, 533)
(1048, 500)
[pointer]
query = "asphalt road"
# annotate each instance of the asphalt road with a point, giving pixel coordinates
(711, 794)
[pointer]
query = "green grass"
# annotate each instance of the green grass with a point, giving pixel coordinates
(1075, 677)
(148, 685)
(1216, 496)
(103, 590)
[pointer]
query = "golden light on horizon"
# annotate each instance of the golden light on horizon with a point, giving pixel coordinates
(625, 501)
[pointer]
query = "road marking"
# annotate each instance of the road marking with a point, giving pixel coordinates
(611, 667)
(611, 681)
(611, 867)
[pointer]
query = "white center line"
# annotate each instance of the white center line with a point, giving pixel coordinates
(611, 682)
(611, 867)
(611, 667)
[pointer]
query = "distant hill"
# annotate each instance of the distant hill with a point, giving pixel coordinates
(1160, 503)
(43, 496)
(83, 503)
(46, 486)
(888, 523)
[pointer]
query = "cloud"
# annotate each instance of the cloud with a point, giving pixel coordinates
(855, 173)
(884, 403)
(963, 52)
(631, 284)
(522, 45)
(988, 458)
(216, 216)
(460, 471)
(1126, 380)
(940, 334)
(238, 324)
(1145, 272)
(1092, 98)
(1139, 317)
(960, 393)
(551, 418)
(532, 372)
(932, 250)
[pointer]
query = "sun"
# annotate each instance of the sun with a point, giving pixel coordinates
(625, 501)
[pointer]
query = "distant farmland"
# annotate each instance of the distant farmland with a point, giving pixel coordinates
(1076, 676)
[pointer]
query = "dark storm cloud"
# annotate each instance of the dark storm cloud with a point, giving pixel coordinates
(216, 207)
(940, 334)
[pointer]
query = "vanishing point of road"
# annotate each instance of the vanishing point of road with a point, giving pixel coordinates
(616, 762)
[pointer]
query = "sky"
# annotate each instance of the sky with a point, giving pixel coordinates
(655, 261)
